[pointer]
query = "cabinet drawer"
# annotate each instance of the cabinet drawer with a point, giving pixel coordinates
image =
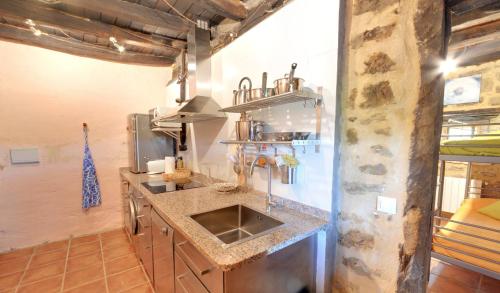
(202, 268)
(185, 280)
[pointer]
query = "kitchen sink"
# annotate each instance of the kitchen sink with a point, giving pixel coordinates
(236, 223)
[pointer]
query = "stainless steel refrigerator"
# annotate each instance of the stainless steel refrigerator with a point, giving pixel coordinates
(144, 144)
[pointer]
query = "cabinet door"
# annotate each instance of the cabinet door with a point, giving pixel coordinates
(163, 254)
(145, 242)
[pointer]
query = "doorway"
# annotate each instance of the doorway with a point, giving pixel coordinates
(466, 226)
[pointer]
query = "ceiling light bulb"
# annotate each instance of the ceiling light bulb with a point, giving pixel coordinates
(29, 22)
(448, 66)
(36, 31)
(112, 39)
(121, 49)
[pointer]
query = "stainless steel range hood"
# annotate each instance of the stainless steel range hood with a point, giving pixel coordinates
(201, 106)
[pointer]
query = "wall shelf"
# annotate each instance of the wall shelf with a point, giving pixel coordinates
(309, 142)
(286, 98)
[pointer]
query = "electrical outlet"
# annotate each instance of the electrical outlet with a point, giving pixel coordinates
(386, 205)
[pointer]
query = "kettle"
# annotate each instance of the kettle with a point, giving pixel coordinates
(242, 95)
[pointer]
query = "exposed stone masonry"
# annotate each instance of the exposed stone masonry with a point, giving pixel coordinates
(389, 143)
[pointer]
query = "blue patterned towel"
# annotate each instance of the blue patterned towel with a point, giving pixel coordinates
(90, 186)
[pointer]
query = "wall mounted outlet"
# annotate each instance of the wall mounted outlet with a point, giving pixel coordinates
(386, 205)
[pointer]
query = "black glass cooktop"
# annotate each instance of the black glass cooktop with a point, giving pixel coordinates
(161, 186)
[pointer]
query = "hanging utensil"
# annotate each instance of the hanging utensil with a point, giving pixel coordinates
(291, 76)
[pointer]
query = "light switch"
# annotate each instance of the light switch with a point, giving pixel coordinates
(386, 205)
(24, 156)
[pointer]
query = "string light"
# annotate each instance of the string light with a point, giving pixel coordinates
(115, 43)
(33, 28)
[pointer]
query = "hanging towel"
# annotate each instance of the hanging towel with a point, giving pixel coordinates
(90, 187)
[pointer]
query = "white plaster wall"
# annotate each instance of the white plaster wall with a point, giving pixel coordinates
(304, 32)
(44, 98)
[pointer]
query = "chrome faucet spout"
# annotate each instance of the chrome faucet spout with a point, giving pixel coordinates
(269, 201)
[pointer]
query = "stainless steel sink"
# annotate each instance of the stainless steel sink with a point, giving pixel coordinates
(236, 223)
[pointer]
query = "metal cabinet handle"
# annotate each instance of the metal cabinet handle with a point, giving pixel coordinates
(139, 220)
(184, 289)
(198, 271)
(179, 279)
(164, 231)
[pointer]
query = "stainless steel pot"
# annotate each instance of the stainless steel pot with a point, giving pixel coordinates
(289, 83)
(242, 130)
(282, 85)
(257, 94)
(249, 130)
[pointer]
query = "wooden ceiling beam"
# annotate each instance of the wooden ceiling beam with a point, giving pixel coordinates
(232, 9)
(459, 7)
(25, 36)
(471, 16)
(46, 16)
(133, 12)
(476, 31)
(476, 51)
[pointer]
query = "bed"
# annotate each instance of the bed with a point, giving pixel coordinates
(468, 239)
(477, 146)
(467, 236)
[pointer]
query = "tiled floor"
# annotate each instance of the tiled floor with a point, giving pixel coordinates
(446, 278)
(95, 263)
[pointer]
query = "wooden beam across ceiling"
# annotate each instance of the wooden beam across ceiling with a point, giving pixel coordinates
(465, 18)
(476, 53)
(132, 12)
(25, 36)
(48, 17)
(459, 7)
(232, 9)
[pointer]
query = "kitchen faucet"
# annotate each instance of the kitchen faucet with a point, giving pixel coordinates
(269, 202)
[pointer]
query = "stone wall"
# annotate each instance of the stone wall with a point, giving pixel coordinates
(490, 85)
(390, 125)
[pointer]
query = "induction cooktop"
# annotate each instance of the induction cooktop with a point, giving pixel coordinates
(157, 187)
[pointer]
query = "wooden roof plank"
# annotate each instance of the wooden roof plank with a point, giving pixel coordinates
(134, 12)
(25, 36)
(232, 9)
(56, 19)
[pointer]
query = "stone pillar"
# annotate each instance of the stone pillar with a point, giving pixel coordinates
(389, 125)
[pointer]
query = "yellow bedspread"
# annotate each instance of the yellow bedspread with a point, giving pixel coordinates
(467, 213)
(472, 146)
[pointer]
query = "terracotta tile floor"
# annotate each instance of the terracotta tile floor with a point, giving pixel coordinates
(446, 278)
(96, 263)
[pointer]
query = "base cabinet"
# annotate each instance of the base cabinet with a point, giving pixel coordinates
(175, 265)
(290, 270)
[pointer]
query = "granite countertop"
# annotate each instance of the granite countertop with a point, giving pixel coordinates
(301, 221)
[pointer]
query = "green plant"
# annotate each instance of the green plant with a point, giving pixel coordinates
(290, 161)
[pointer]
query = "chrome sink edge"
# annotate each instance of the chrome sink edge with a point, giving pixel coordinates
(254, 236)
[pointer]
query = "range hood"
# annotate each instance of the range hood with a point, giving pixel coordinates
(200, 106)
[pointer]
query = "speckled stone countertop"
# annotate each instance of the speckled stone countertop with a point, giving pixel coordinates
(301, 221)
